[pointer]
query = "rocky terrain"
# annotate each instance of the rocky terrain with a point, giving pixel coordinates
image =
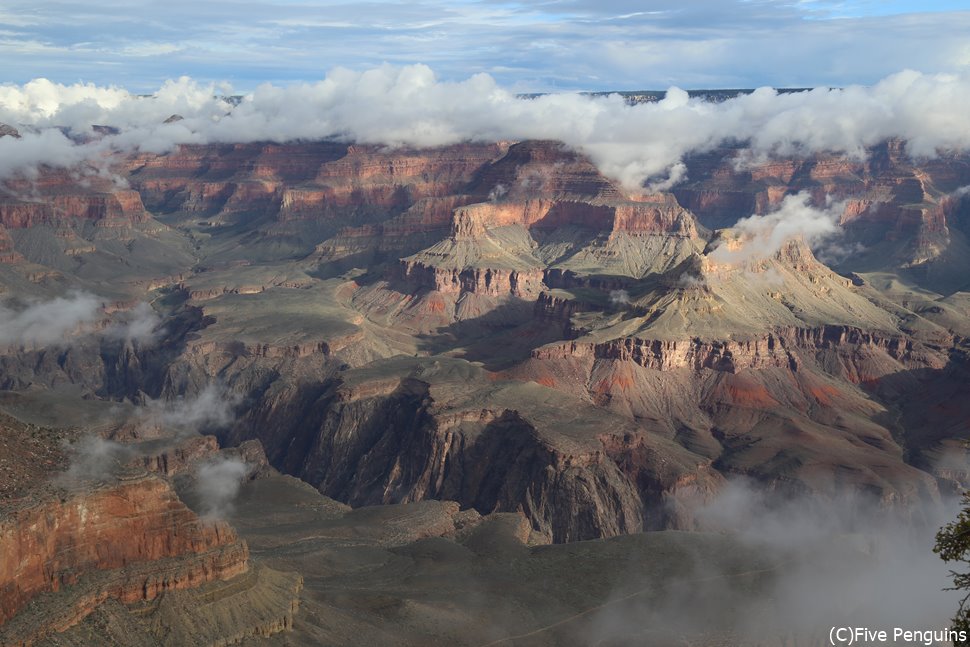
(472, 357)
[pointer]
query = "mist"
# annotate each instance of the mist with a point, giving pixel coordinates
(94, 458)
(40, 323)
(619, 298)
(761, 236)
(141, 325)
(213, 408)
(409, 106)
(217, 483)
(847, 562)
(66, 319)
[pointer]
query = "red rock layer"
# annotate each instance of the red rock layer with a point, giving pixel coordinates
(67, 196)
(888, 196)
(303, 181)
(658, 214)
(548, 169)
(55, 543)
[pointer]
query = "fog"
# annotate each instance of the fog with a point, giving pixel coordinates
(141, 324)
(67, 319)
(619, 298)
(847, 562)
(39, 323)
(761, 236)
(217, 483)
(94, 458)
(409, 106)
(211, 409)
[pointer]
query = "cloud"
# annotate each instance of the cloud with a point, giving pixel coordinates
(757, 237)
(33, 149)
(497, 192)
(893, 555)
(831, 556)
(93, 458)
(141, 324)
(619, 298)
(213, 408)
(42, 323)
(676, 174)
(217, 483)
(410, 106)
(834, 252)
(64, 320)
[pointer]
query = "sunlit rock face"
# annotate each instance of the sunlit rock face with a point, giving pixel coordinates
(131, 540)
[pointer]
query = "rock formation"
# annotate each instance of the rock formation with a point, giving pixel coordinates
(478, 330)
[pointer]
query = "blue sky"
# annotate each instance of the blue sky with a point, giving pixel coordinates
(528, 46)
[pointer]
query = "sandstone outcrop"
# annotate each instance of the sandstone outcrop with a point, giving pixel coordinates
(60, 198)
(131, 540)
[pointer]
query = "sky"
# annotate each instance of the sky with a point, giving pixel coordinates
(539, 46)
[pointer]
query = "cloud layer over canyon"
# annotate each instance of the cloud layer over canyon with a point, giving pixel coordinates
(409, 106)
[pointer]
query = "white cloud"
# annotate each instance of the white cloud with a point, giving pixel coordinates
(65, 320)
(48, 322)
(93, 457)
(619, 298)
(141, 324)
(217, 484)
(212, 408)
(760, 236)
(410, 106)
(538, 45)
(820, 563)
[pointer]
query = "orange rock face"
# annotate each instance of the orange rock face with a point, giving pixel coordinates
(303, 181)
(57, 543)
(887, 195)
(57, 196)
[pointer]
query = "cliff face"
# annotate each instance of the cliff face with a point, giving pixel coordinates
(8, 255)
(60, 196)
(888, 196)
(545, 168)
(779, 349)
(387, 442)
(659, 215)
(544, 201)
(106, 536)
(486, 281)
(296, 182)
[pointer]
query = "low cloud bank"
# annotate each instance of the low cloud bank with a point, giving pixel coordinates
(94, 458)
(409, 106)
(63, 320)
(140, 324)
(848, 562)
(41, 323)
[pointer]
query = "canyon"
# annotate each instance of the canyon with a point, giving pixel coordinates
(489, 356)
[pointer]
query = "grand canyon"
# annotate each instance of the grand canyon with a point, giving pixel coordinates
(321, 391)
